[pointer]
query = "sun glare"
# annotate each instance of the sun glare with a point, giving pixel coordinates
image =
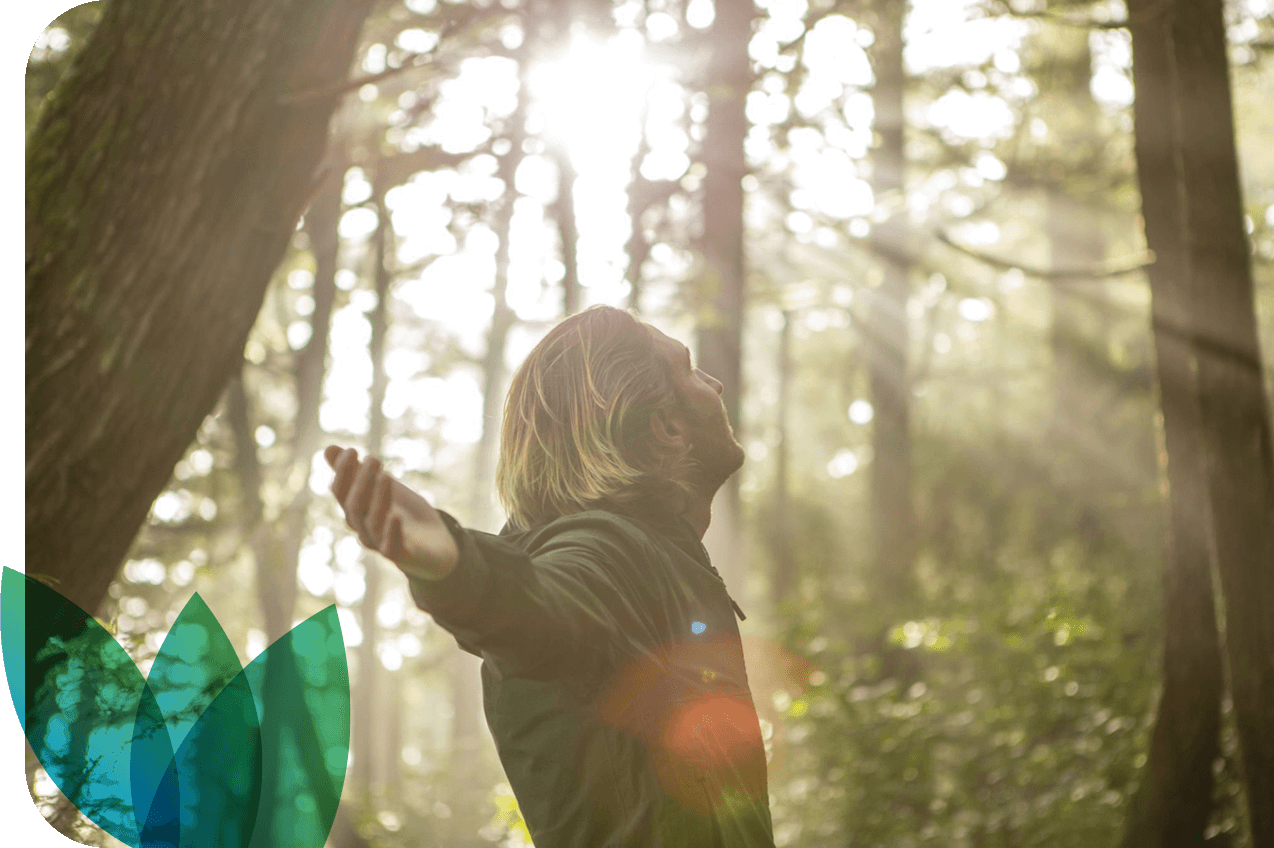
(592, 97)
(596, 100)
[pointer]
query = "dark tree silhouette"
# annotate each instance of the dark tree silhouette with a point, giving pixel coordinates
(1173, 802)
(1214, 392)
(164, 181)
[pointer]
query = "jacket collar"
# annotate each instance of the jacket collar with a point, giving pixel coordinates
(655, 513)
(658, 514)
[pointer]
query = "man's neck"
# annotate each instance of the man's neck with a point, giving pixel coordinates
(698, 512)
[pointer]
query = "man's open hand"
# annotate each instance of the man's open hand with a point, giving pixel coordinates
(390, 518)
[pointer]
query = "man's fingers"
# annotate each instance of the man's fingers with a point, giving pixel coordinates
(330, 453)
(393, 539)
(382, 503)
(346, 466)
(360, 494)
(378, 511)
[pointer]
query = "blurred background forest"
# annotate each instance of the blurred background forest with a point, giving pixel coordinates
(908, 238)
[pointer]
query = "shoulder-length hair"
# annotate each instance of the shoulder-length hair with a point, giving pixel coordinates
(577, 421)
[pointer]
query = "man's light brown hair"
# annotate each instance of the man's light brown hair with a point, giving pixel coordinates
(577, 421)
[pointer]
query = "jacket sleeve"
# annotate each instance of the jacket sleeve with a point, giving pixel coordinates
(565, 610)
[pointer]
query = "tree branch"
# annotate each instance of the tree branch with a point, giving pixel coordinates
(1054, 274)
(1150, 15)
(412, 61)
(415, 60)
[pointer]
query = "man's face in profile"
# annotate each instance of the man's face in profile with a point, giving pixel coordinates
(713, 444)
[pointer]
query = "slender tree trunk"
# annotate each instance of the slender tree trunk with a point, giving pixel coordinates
(276, 545)
(393, 753)
(563, 212)
(893, 517)
(1174, 800)
(366, 728)
(466, 690)
(1233, 407)
(164, 183)
(784, 578)
(1076, 239)
(637, 248)
(721, 288)
(321, 223)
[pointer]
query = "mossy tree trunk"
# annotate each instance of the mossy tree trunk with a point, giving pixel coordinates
(164, 182)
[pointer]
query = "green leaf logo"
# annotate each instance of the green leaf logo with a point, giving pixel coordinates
(201, 751)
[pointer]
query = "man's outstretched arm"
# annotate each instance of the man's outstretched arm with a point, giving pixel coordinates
(390, 518)
(562, 614)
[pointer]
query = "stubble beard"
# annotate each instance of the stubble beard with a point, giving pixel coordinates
(716, 452)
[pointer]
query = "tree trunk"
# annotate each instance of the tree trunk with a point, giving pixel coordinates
(1174, 800)
(640, 198)
(893, 518)
(721, 293)
(1077, 240)
(164, 183)
(563, 212)
(321, 223)
(1233, 407)
(276, 544)
(784, 578)
(467, 794)
(365, 729)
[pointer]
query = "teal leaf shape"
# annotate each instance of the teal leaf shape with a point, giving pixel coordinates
(260, 753)
(301, 683)
(80, 697)
(200, 796)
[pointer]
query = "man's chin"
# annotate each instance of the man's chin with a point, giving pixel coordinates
(731, 464)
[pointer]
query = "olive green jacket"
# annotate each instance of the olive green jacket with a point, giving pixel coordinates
(613, 680)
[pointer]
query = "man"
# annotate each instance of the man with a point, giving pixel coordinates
(612, 672)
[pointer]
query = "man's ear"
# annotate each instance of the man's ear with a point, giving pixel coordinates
(669, 429)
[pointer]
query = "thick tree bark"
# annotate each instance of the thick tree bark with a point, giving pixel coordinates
(1233, 407)
(1173, 802)
(721, 288)
(164, 183)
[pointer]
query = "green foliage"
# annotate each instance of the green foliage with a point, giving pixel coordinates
(1028, 709)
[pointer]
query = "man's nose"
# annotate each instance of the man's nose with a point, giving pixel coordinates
(715, 383)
